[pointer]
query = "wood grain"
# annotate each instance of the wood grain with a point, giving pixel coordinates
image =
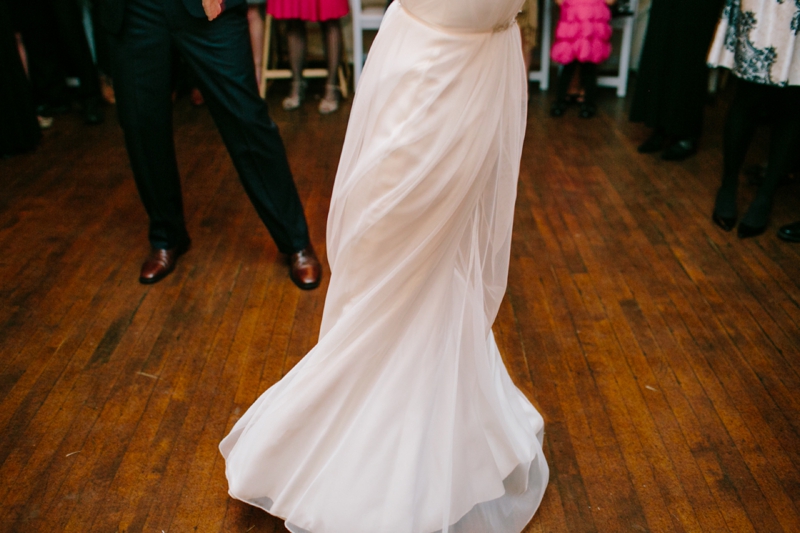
(662, 352)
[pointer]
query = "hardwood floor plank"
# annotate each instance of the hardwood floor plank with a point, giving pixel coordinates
(663, 353)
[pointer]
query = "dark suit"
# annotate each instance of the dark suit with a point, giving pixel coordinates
(113, 11)
(142, 34)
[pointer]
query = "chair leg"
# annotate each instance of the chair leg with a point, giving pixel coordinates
(262, 88)
(625, 57)
(358, 51)
(343, 81)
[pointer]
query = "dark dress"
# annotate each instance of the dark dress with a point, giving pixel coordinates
(19, 129)
(672, 83)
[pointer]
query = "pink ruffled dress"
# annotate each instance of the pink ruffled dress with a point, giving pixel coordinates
(308, 10)
(583, 32)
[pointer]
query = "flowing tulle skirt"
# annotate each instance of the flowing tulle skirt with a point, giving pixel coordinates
(403, 418)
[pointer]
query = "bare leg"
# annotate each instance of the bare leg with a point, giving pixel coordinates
(296, 35)
(23, 54)
(255, 21)
(333, 47)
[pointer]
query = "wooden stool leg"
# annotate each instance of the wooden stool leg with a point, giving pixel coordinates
(262, 86)
(343, 82)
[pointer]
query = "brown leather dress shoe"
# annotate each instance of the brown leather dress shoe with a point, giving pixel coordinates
(304, 269)
(159, 264)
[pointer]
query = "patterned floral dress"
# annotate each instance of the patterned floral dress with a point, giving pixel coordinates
(757, 40)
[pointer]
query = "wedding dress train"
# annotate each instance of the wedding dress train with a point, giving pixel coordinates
(403, 418)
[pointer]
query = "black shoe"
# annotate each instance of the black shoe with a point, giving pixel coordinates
(654, 143)
(790, 232)
(726, 223)
(680, 151)
(744, 231)
(587, 110)
(92, 112)
(558, 108)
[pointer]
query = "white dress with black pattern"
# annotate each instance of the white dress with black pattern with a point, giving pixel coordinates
(757, 40)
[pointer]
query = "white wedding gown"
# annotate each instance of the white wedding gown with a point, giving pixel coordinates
(403, 418)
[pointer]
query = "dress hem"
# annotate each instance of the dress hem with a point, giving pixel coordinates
(536, 461)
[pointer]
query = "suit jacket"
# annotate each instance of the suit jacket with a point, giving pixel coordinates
(113, 11)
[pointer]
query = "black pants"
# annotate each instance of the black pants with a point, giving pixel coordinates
(100, 34)
(53, 31)
(19, 130)
(219, 53)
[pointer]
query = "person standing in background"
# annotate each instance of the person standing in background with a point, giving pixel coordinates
(757, 40)
(296, 13)
(672, 83)
(49, 29)
(583, 40)
(215, 42)
(19, 129)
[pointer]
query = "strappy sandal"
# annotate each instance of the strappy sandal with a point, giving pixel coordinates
(296, 96)
(330, 102)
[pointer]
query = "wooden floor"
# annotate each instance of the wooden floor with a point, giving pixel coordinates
(662, 352)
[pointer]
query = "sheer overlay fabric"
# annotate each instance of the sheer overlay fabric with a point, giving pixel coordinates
(403, 418)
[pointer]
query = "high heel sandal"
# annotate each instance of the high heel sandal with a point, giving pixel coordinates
(330, 102)
(296, 96)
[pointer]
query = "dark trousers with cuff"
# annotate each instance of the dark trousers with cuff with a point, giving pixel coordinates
(219, 53)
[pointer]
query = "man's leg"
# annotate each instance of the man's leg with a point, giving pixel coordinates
(142, 62)
(220, 54)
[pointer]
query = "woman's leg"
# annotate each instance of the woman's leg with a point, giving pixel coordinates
(296, 35)
(785, 139)
(255, 22)
(564, 79)
(740, 125)
(332, 32)
(588, 73)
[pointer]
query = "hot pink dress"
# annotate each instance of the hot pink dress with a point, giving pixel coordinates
(308, 10)
(583, 32)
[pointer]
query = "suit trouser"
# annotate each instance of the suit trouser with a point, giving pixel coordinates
(219, 53)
